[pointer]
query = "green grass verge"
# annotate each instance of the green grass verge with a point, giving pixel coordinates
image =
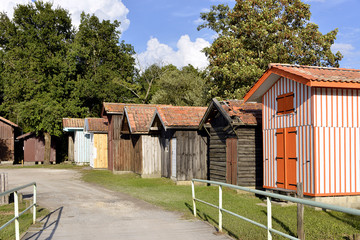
(163, 192)
(25, 220)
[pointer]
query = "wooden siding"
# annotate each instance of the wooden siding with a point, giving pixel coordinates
(250, 148)
(127, 153)
(114, 139)
(191, 154)
(151, 155)
(328, 136)
(34, 148)
(6, 142)
(99, 151)
(337, 141)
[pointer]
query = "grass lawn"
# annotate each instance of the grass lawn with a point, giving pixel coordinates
(163, 192)
(25, 220)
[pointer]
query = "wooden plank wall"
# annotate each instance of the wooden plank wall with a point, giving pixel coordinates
(6, 142)
(191, 155)
(100, 150)
(151, 155)
(250, 153)
(165, 153)
(128, 153)
(217, 148)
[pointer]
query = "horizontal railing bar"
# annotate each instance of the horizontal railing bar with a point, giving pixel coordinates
(244, 218)
(6, 224)
(16, 189)
(286, 198)
(26, 209)
(199, 200)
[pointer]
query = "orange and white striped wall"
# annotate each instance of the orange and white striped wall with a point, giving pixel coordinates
(328, 137)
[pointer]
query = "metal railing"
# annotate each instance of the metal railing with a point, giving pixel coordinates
(268, 195)
(16, 207)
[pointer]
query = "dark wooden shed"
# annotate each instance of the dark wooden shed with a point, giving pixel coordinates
(34, 147)
(8, 132)
(183, 145)
(235, 142)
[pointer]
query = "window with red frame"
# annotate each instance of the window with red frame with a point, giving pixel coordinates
(285, 103)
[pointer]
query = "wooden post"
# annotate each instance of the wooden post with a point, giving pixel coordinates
(300, 212)
(3, 188)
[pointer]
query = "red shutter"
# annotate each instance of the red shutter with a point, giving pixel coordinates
(280, 158)
(291, 160)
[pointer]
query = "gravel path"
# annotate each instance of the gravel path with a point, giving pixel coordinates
(82, 211)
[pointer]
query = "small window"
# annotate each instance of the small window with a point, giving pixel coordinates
(285, 103)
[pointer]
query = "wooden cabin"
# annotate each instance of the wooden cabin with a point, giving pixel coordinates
(98, 129)
(78, 141)
(8, 132)
(183, 145)
(114, 113)
(235, 142)
(311, 131)
(139, 150)
(34, 148)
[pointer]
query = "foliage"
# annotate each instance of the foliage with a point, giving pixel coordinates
(185, 87)
(258, 32)
(104, 66)
(36, 66)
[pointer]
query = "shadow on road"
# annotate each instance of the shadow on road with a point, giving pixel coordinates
(49, 225)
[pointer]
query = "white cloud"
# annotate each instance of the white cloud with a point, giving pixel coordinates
(344, 48)
(188, 52)
(104, 9)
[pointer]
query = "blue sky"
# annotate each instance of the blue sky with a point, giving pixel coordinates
(164, 31)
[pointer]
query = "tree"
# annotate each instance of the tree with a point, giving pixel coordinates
(37, 68)
(185, 87)
(258, 32)
(105, 66)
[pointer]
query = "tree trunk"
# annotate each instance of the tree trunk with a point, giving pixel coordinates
(47, 151)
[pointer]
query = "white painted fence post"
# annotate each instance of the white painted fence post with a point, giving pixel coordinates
(220, 208)
(269, 218)
(193, 197)
(16, 210)
(34, 207)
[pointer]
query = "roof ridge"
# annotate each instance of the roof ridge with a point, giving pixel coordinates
(316, 67)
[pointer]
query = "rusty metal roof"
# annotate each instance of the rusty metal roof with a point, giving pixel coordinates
(139, 117)
(181, 116)
(96, 125)
(8, 122)
(73, 122)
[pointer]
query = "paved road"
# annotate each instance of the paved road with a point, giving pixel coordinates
(83, 211)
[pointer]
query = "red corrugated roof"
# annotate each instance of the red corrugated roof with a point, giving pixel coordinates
(97, 125)
(245, 113)
(73, 122)
(139, 117)
(8, 122)
(181, 116)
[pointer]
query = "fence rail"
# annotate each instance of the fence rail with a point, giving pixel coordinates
(268, 196)
(16, 207)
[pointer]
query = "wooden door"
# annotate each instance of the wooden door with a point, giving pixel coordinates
(231, 160)
(286, 158)
(173, 157)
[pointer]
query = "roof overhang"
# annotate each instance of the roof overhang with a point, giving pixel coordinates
(214, 104)
(72, 129)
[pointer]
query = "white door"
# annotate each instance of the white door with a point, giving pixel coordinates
(173, 157)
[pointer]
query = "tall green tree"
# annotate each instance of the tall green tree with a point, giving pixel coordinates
(105, 66)
(185, 87)
(258, 32)
(36, 68)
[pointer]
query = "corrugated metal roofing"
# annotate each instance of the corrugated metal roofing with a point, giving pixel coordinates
(181, 116)
(8, 122)
(73, 122)
(96, 125)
